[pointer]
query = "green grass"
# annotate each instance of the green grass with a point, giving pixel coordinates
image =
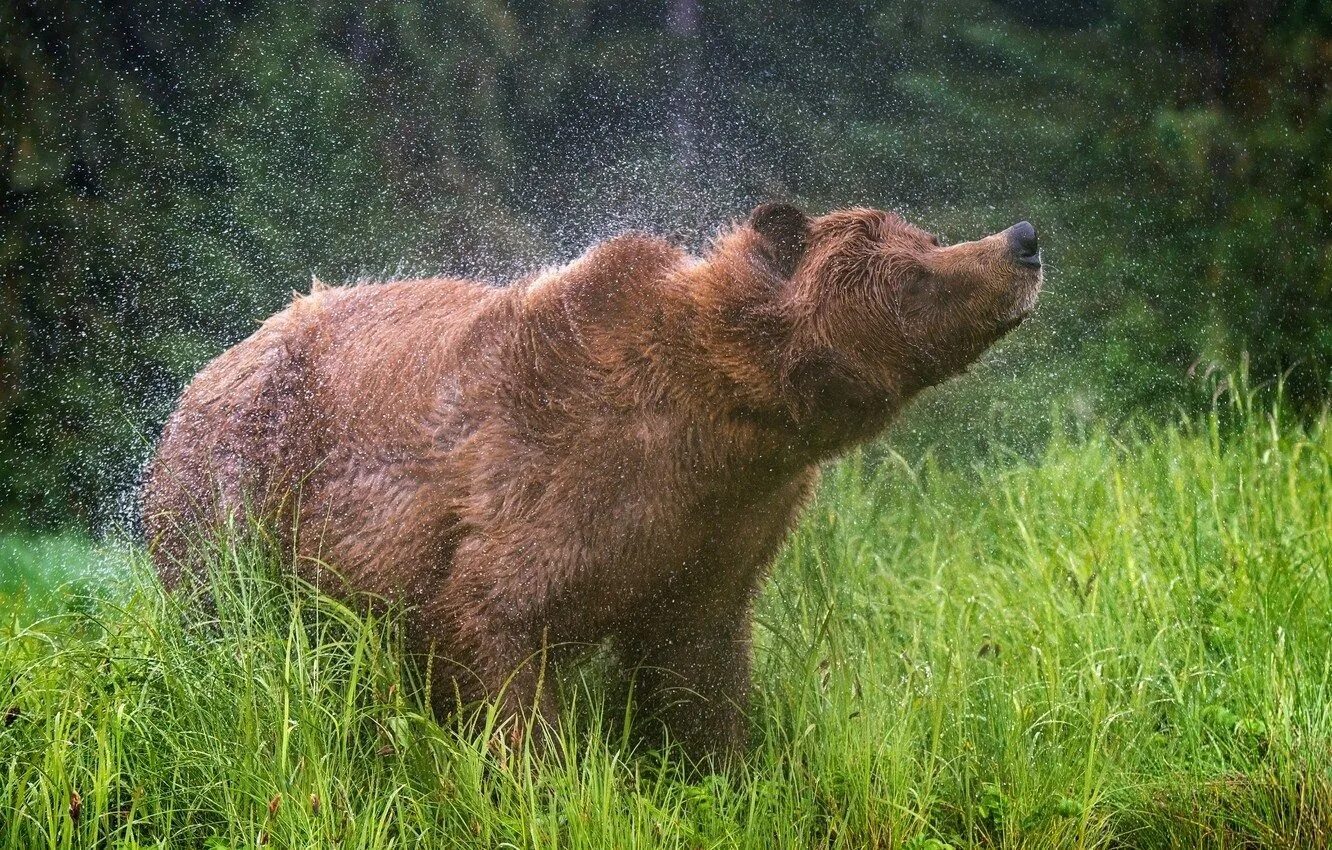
(45, 574)
(1123, 644)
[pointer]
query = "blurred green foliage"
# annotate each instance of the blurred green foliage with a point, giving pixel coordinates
(169, 173)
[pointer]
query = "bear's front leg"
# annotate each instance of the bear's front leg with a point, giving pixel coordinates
(693, 679)
(495, 647)
(517, 675)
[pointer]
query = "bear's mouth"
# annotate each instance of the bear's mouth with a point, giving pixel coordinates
(1020, 313)
(1011, 322)
(1024, 304)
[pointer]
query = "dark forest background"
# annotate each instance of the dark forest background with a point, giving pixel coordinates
(170, 171)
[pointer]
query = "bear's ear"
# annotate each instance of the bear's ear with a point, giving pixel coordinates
(784, 230)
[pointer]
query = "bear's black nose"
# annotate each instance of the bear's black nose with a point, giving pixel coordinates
(1022, 239)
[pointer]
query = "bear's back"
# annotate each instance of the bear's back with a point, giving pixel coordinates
(337, 365)
(361, 397)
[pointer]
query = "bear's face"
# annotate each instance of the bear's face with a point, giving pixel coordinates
(882, 308)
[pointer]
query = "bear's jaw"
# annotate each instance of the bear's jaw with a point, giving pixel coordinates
(1022, 293)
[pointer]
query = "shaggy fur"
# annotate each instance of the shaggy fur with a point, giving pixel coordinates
(612, 450)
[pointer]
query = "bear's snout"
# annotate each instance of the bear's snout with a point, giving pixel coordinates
(1022, 242)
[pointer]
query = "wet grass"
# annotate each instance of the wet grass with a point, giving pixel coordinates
(43, 574)
(1127, 643)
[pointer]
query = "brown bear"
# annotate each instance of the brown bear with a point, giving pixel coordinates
(609, 451)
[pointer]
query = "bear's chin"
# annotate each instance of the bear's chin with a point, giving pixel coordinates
(1024, 305)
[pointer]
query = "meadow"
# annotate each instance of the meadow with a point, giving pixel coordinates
(1121, 641)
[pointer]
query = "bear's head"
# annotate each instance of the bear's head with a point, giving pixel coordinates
(878, 309)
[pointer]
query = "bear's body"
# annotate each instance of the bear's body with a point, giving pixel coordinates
(610, 450)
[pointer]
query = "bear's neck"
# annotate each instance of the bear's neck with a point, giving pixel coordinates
(749, 358)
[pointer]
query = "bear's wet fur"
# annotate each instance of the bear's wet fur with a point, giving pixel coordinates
(612, 450)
